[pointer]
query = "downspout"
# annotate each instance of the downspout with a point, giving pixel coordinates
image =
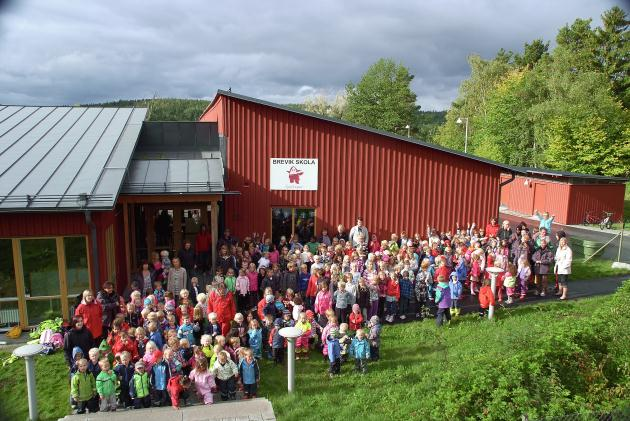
(503, 183)
(90, 223)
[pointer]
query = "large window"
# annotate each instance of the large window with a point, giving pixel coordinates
(40, 268)
(9, 313)
(288, 221)
(77, 271)
(40, 278)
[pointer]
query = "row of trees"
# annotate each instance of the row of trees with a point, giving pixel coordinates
(566, 109)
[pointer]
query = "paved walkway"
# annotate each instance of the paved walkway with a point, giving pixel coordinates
(582, 232)
(241, 410)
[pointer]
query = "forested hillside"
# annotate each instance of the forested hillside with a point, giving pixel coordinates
(165, 109)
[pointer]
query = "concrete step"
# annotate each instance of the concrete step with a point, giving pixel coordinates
(258, 409)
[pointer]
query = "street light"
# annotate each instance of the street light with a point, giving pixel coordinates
(408, 127)
(460, 121)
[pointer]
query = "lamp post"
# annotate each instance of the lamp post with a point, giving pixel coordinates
(408, 127)
(291, 333)
(493, 271)
(461, 120)
(28, 352)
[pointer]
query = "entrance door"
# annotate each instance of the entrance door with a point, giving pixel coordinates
(281, 223)
(289, 221)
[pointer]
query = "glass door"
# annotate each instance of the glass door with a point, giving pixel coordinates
(41, 279)
(9, 306)
(304, 224)
(289, 221)
(281, 224)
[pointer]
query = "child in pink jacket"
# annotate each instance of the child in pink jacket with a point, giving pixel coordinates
(203, 379)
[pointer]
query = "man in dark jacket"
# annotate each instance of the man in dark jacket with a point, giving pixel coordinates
(78, 335)
(289, 279)
(505, 233)
(110, 302)
(187, 257)
(543, 260)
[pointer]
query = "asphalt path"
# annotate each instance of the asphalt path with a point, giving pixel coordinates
(584, 233)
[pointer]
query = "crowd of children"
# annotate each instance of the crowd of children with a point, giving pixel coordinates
(160, 346)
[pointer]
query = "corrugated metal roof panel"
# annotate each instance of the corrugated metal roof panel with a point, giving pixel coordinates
(159, 176)
(51, 156)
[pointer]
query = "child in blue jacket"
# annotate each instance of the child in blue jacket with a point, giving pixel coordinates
(456, 293)
(334, 352)
(360, 350)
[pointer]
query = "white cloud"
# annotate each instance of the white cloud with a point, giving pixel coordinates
(67, 52)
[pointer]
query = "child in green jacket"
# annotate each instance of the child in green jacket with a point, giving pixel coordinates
(140, 387)
(83, 388)
(106, 383)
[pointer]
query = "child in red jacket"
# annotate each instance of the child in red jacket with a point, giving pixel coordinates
(486, 298)
(356, 318)
(392, 297)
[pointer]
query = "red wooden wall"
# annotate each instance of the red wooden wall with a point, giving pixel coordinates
(569, 202)
(49, 224)
(395, 185)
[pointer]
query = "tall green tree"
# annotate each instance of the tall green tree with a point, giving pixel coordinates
(472, 102)
(383, 98)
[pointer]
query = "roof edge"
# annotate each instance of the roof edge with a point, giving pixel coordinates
(414, 141)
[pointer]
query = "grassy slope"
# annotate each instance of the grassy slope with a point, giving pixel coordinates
(414, 357)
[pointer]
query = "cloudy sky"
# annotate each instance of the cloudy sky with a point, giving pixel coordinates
(69, 52)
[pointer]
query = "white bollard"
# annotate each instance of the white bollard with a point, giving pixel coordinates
(494, 271)
(291, 333)
(28, 352)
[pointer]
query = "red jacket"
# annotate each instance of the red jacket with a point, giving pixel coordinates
(356, 320)
(486, 299)
(203, 242)
(92, 314)
(393, 289)
(222, 305)
(442, 270)
(131, 346)
(174, 390)
(179, 314)
(492, 230)
(311, 289)
(261, 306)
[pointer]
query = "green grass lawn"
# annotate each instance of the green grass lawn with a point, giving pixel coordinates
(594, 269)
(474, 369)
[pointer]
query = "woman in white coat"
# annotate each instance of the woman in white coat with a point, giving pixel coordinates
(564, 257)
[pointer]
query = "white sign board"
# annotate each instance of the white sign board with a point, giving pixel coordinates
(293, 173)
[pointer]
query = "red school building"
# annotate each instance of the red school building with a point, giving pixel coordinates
(87, 193)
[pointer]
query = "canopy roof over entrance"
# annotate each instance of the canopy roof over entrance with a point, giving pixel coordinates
(164, 176)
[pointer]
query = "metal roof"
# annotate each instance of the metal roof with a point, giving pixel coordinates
(510, 168)
(168, 176)
(567, 174)
(360, 127)
(65, 158)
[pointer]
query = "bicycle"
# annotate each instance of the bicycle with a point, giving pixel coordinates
(605, 221)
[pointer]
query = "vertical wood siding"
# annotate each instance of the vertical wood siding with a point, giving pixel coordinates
(394, 185)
